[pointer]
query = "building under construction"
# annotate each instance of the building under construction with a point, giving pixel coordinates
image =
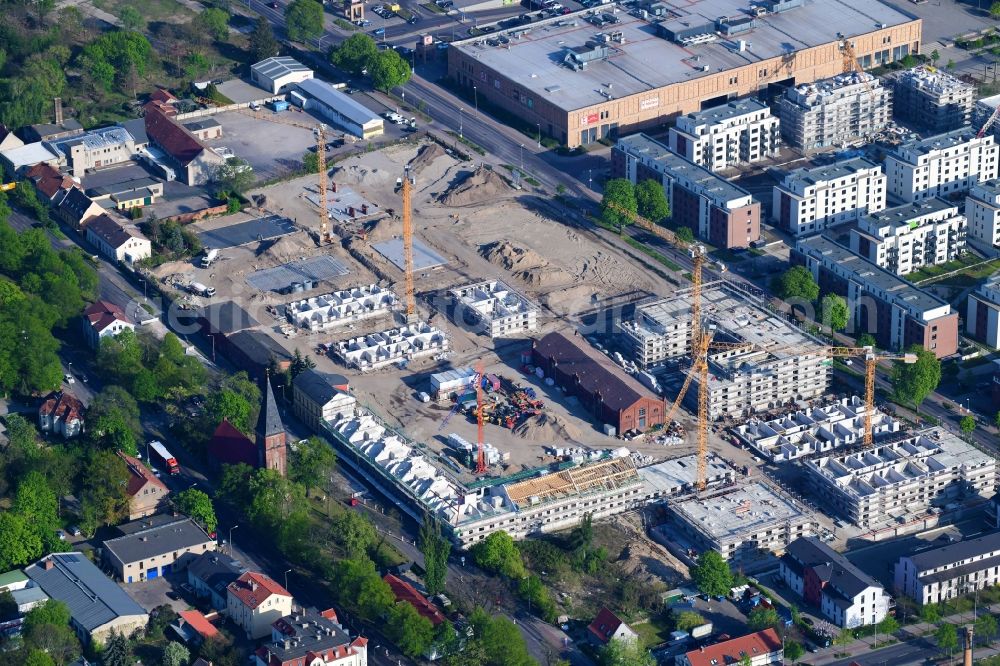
(932, 100)
(742, 522)
(835, 111)
(767, 361)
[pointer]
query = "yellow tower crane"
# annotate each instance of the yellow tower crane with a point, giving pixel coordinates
(851, 64)
(411, 303)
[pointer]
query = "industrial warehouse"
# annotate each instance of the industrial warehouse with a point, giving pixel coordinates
(594, 74)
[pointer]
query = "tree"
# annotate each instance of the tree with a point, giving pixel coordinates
(499, 642)
(36, 657)
(310, 162)
(198, 506)
(303, 20)
(8, 606)
(37, 504)
(912, 382)
(967, 424)
(986, 628)
(996, 419)
(798, 283)
(231, 406)
(436, 550)
(793, 651)
(866, 340)
(761, 618)
(50, 612)
(946, 637)
(20, 543)
(684, 234)
(354, 531)
(497, 553)
(354, 54)
(930, 613)
(21, 436)
(409, 630)
(120, 356)
(213, 22)
(360, 587)
(236, 174)
(688, 620)
(387, 70)
(935, 56)
(712, 575)
(300, 363)
(104, 491)
(888, 626)
(262, 44)
(651, 200)
(835, 312)
(117, 652)
(625, 653)
(175, 654)
(619, 202)
(995, 10)
(131, 18)
(311, 464)
(46, 628)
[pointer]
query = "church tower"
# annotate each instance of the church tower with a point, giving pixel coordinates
(270, 433)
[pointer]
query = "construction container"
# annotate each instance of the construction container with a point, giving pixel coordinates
(279, 105)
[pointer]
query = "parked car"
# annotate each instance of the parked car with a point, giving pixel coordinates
(69, 378)
(378, 32)
(75, 531)
(61, 535)
(272, 5)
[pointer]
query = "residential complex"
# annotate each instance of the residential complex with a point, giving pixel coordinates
(941, 165)
(982, 317)
(556, 73)
(494, 308)
(825, 579)
(957, 569)
(906, 238)
(897, 313)
(740, 132)
(741, 522)
(778, 363)
(932, 99)
(809, 200)
(397, 345)
(813, 430)
(982, 210)
(340, 308)
(834, 111)
(901, 480)
(717, 211)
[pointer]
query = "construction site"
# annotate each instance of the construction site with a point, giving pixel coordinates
(931, 100)
(835, 111)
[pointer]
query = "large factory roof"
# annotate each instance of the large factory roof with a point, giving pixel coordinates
(644, 61)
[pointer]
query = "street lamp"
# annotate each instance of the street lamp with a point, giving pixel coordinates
(286, 578)
(522, 158)
(475, 95)
(460, 117)
(539, 126)
(231, 551)
(143, 281)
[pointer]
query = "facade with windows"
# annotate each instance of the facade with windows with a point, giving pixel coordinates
(982, 209)
(941, 166)
(741, 132)
(810, 200)
(908, 237)
(956, 569)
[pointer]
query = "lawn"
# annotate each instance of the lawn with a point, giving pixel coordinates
(652, 632)
(972, 269)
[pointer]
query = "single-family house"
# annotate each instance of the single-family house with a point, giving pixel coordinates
(102, 319)
(210, 575)
(404, 591)
(50, 184)
(119, 242)
(61, 414)
(255, 601)
(145, 491)
(607, 627)
(193, 628)
(77, 209)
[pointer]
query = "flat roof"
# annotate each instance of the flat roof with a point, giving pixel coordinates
(109, 137)
(745, 510)
(655, 153)
(178, 535)
(644, 61)
(29, 154)
(899, 290)
(734, 109)
(682, 473)
(279, 66)
(828, 172)
(898, 215)
(936, 142)
(326, 94)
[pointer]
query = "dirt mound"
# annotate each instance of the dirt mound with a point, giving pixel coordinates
(547, 428)
(287, 248)
(427, 154)
(481, 186)
(524, 264)
(383, 229)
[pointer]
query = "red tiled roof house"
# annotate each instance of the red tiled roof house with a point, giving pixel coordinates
(103, 319)
(607, 627)
(255, 601)
(763, 647)
(62, 414)
(145, 491)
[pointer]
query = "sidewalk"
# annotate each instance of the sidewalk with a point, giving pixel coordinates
(863, 646)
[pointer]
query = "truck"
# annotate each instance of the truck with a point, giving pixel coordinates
(701, 631)
(198, 289)
(158, 453)
(211, 254)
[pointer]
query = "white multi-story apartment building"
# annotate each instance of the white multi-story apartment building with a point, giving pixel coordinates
(982, 209)
(941, 165)
(908, 237)
(901, 480)
(944, 573)
(494, 308)
(982, 318)
(807, 201)
(845, 595)
(834, 111)
(741, 132)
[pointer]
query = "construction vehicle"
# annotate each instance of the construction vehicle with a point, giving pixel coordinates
(211, 254)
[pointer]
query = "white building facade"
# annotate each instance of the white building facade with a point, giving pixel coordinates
(808, 201)
(941, 165)
(741, 132)
(982, 209)
(982, 316)
(933, 576)
(908, 237)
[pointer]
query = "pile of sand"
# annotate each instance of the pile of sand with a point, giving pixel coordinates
(483, 185)
(524, 264)
(383, 229)
(547, 428)
(427, 154)
(287, 248)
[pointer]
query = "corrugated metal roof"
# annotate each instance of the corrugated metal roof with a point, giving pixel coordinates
(278, 66)
(93, 598)
(324, 93)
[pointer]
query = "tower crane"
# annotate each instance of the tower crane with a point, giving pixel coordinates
(480, 453)
(851, 64)
(411, 304)
(989, 123)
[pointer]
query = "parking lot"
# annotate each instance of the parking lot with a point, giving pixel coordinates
(271, 148)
